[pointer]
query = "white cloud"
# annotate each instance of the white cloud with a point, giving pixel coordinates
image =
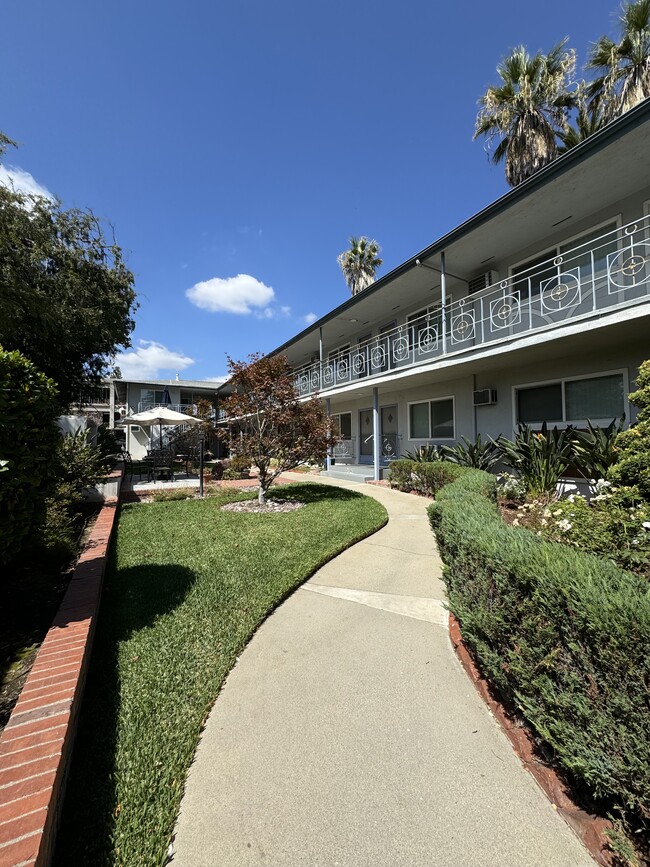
(217, 379)
(149, 360)
(285, 311)
(242, 294)
(309, 318)
(22, 182)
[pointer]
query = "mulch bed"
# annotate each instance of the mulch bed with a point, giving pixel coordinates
(271, 506)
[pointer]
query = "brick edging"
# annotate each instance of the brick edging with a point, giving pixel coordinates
(590, 829)
(36, 745)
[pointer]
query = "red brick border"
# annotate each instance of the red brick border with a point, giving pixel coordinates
(590, 829)
(36, 745)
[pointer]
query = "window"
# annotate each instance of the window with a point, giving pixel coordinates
(343, 425)
(149, 396)
(432, 419)
(598, 398)
(530, 276)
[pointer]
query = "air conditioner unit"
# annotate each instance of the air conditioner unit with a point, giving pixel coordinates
(482, 281)
(485, 397)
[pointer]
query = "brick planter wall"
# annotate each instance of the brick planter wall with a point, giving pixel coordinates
(36, 746)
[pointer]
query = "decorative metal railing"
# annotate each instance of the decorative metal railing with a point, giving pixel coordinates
(345, 450)
(188, 409)
(600, 276)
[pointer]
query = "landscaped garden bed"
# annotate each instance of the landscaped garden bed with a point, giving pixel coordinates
(563, 637)
(187, 586)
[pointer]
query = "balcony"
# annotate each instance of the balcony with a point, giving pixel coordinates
(604, 275)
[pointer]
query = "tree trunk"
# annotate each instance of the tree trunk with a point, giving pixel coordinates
(261, 495)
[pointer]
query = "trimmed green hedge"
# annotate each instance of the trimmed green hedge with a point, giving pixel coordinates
(424, 477)
(28, 443)
(563, 635)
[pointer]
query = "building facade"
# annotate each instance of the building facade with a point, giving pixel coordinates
(535, 309)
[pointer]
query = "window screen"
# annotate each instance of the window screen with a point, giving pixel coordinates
(419, 413)
(600, 397)
(442, 419)
(544, 403)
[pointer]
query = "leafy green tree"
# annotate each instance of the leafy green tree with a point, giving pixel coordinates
(623, 67)
(66, 297)
(528, 110)
(270, 424)
(359, 264)
(28, 442)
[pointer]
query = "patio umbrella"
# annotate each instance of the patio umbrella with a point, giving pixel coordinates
(160, 415)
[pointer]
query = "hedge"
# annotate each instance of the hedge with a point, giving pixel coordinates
(563, 635)
(28, 441)
(424, 477)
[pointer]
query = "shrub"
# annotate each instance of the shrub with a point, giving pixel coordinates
(614, 525)
(594, 450)
(477, 455)
(562, 635)
(540, 457)
(511, 488)
(28, 441)
(633, 445)
(239, 467)
(425, 454)
(78, 465)
(425, 478)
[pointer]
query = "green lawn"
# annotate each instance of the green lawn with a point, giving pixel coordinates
(187, 586)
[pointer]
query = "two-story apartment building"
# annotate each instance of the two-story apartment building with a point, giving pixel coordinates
(116, 399)
(535, 309)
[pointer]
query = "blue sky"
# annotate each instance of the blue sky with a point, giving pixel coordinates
(253, 138)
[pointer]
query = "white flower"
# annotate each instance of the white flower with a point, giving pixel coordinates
(571, 498)
(646, 525)
(557, 513)
(515, 523)
(564, 525)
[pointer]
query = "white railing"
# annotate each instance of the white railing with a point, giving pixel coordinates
(600, 276)
(345, 450)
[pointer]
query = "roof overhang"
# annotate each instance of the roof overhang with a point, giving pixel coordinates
(606, 168)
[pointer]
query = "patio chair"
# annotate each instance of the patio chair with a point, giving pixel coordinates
(161, 466)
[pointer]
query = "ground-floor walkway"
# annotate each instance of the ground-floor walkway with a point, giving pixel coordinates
(348, 735)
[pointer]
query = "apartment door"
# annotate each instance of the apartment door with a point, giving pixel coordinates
(388, 433)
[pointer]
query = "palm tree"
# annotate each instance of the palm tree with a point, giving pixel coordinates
(528, 110)
(360, 263)
(623, 67)
(588, 121)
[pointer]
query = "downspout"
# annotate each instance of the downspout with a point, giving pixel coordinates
(376, 444)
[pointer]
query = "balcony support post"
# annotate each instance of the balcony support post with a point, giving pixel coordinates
(111, 406)
(376, 434)
(443, 301)
(320, 358)
(328, 460)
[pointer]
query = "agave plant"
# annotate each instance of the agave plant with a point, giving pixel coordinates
(479, 455)
(540, 457)
(594, 450)
(425, 454)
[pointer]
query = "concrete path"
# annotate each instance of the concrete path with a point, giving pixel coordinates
(348, 735)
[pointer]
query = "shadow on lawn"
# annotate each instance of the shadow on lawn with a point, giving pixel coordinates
(313, 493)
(132, 599)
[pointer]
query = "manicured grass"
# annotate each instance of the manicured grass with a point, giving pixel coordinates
(187, 587)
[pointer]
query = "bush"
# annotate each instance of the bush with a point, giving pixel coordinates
(633, 445)
(614, 525)
(425, 478)
(540, 457)
(425, 454)
(238, 468)
(561, 634)
(78, 465)
(28, 441)
(478, 455)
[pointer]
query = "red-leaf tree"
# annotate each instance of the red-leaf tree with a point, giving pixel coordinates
(269, 423)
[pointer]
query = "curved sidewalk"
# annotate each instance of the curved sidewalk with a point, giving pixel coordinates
(348, 735)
